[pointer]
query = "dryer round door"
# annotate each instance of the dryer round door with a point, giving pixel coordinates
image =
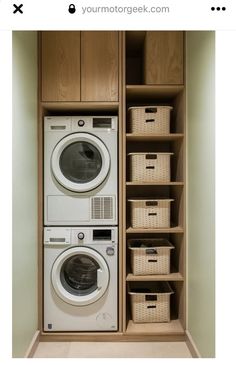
(80, 162)
(80, 276)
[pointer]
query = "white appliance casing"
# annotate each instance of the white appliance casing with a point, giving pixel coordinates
(63, 207)
(101, 315)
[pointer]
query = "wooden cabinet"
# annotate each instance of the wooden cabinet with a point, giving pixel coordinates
(99, 66)
(79, 66)
(163, 58)
(60, 66)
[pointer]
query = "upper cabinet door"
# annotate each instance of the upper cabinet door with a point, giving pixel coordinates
(60, 66)
(99, 66)
(164, 58)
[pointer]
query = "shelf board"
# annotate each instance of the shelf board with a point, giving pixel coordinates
(80, 106)
(176, 229)
(153, 91)
(136, 137)
(173, 276)
(173, 327)
(151, 183)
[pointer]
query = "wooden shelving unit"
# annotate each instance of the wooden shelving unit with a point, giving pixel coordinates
(130, 91)
(138, 94)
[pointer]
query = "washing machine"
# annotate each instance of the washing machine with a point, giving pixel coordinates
(80, 170)
(80, 279)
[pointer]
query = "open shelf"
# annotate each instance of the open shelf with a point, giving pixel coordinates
(173, 276)
(145, 183)
(175, 229)
(135, 137)
(80, 106)
(138, 92)
(174, 327)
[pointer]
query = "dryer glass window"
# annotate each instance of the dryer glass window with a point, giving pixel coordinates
(80, 162)
(79, 275)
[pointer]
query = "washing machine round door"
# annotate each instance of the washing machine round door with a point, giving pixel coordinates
(80, 276)
(80, 162)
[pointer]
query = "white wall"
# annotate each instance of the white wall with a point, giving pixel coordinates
(201, 189)
(24, 190)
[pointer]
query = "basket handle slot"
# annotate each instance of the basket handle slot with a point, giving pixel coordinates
(150, 110)
(150, 156)
(150, 120)
(152, 260)
(151, 203)
(151, 306)
(151, 251)
(152, 214)
(150, 298)
(150, 167)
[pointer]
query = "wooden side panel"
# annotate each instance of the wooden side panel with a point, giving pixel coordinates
(99, 66)
(60, 66)
(164, 58)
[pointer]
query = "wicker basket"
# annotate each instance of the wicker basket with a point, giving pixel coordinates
(150, 256)
(150, 119)
(151, 303)
(150, 213)
(150, 167)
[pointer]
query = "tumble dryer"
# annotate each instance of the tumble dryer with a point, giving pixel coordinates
(80, 170)
(80, 279)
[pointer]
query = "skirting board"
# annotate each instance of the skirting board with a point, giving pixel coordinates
(52, 337)
(191, 346)
(33, 345)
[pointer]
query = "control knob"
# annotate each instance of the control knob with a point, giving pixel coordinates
(80, 236)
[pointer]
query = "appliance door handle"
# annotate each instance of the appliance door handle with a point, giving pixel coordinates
(99, 278)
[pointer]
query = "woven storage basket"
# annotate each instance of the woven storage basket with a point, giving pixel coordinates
(150, 213)
(150, 119)
(150, 256)
(150, 166)
(151, 304)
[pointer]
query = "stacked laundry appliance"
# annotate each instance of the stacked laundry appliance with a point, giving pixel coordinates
(80, 223)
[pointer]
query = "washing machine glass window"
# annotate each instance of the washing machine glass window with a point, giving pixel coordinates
(80, 162)
(80, 276)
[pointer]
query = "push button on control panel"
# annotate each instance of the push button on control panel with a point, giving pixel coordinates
(110, 251)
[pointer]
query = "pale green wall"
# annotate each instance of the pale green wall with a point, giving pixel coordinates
(24, 130)
(201, 189)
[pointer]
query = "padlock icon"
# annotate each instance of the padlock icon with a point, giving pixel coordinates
(72, 9)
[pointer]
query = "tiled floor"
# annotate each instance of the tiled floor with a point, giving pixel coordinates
(112, 350)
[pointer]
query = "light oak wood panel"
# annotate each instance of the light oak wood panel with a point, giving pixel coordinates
(121, 181)
(138, 92)
(136, 137)
(68, 107)
(173, 276)
(176, 229)
(123, 228)
(99, 66)
(144, 183)
(60, 66)
(173, 327)
(111, 337)
(164, 57)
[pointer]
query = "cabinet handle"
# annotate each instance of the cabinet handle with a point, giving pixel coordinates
(150, 110)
